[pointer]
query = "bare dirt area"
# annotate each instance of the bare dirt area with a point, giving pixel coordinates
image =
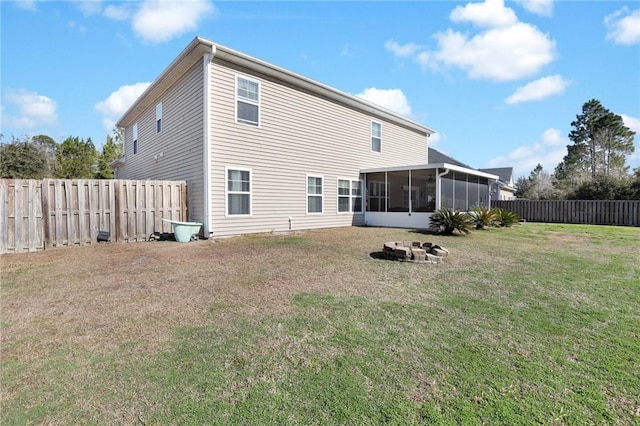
(103, 296)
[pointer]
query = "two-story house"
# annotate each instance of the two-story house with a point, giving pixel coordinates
(264, 149)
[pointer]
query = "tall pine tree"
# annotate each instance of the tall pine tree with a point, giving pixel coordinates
(601, 142)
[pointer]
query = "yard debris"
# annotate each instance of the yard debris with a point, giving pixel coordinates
(162, 236)
(103, 237)
(412, 251)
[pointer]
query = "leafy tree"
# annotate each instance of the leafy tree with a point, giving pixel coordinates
(111, 150)
(523, 187)
(48, 147)
(540, 185)
(603, 188)
(634, 187)
(77, 158)
(21, 159)
(600, 143)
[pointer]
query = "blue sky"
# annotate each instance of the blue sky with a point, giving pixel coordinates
(500, 81)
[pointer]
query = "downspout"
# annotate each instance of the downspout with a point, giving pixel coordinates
(439, 188)
(207, 58)
(497, 190)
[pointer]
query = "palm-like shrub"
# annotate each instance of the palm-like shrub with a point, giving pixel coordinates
(446, 221)
(506, 218)
(483, 217)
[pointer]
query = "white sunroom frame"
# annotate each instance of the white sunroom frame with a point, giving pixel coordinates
(413, 219)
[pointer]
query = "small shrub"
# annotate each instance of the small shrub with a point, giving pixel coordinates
(446, 221)
(506, 218)
(483, 217)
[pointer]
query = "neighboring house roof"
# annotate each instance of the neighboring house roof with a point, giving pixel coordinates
(506, 178)
(436, 156)
(505, 173)
(200, 46)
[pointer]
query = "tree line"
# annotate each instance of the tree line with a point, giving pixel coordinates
(40, 157)
(595, 165)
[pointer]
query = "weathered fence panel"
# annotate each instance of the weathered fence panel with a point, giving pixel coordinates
(594, 212)
(20, 216)
(37, 214)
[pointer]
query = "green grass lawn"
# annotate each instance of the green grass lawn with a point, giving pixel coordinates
(536, 324)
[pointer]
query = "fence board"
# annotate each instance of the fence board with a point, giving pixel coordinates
(594, 212)
(21, 218)
(4, 215)
(35, 215)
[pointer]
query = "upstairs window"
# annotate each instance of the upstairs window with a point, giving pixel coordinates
(247, 101)
(135, 138)
(314, 194)
(238, 192)
(376, 137)
(159, 117)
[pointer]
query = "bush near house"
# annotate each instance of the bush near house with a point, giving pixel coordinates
(483, 217)
(506, 218)
(447, 222)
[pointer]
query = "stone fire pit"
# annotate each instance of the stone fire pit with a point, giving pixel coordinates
(408, 251)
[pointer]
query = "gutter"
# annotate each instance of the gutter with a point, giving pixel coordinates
(439, 187)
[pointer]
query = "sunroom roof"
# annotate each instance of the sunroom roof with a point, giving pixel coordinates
(432, 166)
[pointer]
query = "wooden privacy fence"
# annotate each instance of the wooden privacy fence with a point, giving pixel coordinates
(594, 212)
(35, 215)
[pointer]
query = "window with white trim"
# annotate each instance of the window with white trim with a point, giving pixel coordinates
(314, 194)
(159, 118)
(247, 101)
(135, 138)
(376, 137)
(238, 192)
(349, 196)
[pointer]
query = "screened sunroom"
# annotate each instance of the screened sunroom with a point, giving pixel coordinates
(407, 196)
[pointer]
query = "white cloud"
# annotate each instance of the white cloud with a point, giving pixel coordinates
(623, 26)
(489, 14)
(81, 29)
(633, 123)
(548, 151)
(89, 7)
(118, 103)
(505, 50)
(161, 20)
(117, 13)
(392, 99)
(539, 89)
(500, 54)
(402, 50)
(347, 50)
(25, 110)
(539, 7)
(29, 5)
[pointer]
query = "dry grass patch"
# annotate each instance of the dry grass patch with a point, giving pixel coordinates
(309, 327)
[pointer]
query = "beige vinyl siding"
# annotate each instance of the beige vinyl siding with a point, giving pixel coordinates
(176, 152)
(300, 134)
